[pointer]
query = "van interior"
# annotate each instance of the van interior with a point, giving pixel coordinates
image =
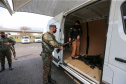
(94, 22)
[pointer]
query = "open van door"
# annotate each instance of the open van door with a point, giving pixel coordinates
(117, 58)
(117, 55)
(57, 20)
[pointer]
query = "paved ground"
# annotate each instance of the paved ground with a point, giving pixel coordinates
(28, 67)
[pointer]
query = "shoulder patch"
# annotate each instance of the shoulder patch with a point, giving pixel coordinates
(47, 36)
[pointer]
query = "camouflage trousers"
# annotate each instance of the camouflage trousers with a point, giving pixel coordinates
(7, 54)
(13, 50)
(0, 57)
(47, 65)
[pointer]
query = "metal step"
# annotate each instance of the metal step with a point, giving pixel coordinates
(84, 79)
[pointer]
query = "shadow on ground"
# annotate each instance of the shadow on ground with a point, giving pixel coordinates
(30, 72)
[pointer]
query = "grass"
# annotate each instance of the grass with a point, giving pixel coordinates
(19, 40)
(31, 40)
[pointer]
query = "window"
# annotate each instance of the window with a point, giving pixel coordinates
(123, 8)
(25, 37)
(37, 38)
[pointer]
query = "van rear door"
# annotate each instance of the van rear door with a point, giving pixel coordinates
(57, 20)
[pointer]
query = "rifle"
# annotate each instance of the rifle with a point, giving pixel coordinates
(66, 44)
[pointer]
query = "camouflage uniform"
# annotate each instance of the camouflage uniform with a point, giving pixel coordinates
(48, 44)
(5, 50)
(0, 53)
(13, 48)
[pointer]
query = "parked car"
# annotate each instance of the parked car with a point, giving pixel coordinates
(37, 39)
(25, 39)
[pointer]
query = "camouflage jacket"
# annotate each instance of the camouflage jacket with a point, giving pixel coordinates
(12, 39)
(49, 42)
(6, 40)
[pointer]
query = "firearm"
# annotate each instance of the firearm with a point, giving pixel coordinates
(66, 44)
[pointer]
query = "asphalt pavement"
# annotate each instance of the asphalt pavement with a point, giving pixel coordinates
(28, 67)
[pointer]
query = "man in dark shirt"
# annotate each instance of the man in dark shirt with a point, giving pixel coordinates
(75, 34)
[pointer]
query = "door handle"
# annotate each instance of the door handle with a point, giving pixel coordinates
(120, 60)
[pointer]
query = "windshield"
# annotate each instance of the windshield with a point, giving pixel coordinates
(25, 37)
(37, 38)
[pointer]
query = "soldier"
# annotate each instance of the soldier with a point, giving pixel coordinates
(5, 51)
(48, 44)
(75, 34)
(0, 35)
(0, 53)
(12, 46)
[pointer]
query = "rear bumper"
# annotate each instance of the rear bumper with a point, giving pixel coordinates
(37, 41)
(25, 42)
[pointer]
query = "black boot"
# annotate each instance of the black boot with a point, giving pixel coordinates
(2, 68)
(10, 66)
(46, 83)
(15, 58)
(50, 80)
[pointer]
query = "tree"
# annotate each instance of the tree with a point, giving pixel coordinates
(25, 34)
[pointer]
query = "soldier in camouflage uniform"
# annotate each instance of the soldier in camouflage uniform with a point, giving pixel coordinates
(48, 44)
(0, 53)
(0, 35)
(12, 47)
(5, 51)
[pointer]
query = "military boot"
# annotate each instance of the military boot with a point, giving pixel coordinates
(51, 81)
(15, 58)
(2, 68)
(10, 66)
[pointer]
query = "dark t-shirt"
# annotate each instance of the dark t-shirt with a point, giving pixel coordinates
(75, 31)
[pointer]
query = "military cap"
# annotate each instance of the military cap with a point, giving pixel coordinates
(2, 32)
(9, 34)
(53, 26)
(77, 21)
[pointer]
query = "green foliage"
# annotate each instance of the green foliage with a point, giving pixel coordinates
(19, 40)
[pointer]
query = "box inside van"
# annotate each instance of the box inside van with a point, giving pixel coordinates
(93, 20)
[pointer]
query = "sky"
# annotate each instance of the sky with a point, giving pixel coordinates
(20, 19)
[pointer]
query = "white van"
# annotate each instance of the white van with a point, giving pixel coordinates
(25, 39)
(37, 39)
(104, 33)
